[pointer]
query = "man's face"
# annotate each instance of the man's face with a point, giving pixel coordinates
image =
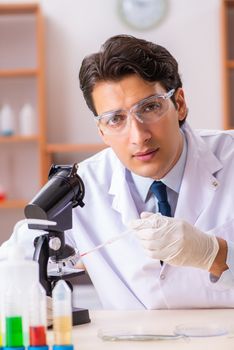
(151, 149)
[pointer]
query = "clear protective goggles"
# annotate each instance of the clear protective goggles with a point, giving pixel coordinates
(147, 111)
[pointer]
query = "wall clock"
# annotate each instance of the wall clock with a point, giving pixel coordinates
(142, 14)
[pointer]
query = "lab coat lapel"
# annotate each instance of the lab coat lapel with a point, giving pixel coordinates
(122, 199)
(199, 184)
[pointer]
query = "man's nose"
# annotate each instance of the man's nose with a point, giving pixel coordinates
(139, 132)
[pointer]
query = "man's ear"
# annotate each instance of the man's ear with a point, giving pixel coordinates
(181, 104)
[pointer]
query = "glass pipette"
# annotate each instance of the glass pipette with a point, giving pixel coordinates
(109, 241)
(157, 221)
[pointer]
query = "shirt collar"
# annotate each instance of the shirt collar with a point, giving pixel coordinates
(172, 179)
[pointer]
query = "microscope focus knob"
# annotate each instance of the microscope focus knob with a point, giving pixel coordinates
(55, 243)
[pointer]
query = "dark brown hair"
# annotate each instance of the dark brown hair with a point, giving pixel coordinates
(123, 55)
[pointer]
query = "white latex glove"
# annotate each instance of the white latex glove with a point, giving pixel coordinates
(175, 241)
(49, 311)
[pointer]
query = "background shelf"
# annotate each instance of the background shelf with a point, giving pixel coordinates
(18, 139)
(8, 73)
(13, 203)
(68, 148)
(11, 9)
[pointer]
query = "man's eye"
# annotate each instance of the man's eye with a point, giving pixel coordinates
(151, 107)
(116, 120)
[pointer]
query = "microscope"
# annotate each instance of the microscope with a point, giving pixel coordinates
(55, 201)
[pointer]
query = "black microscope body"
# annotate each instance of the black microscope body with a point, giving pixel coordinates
(55, 201)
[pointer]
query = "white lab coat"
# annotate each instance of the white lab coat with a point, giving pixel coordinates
(121, 273)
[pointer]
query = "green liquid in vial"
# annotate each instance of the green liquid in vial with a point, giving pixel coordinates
(14, 331)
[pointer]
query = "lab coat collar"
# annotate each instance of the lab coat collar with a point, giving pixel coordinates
(199, 183)
(174, 177)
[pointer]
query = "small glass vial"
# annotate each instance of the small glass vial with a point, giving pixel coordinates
(1, 340)
(62, 316)
(13, 319)
(37, 318)
(15, 292)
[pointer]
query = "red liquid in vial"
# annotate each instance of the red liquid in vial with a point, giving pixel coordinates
(37, 336)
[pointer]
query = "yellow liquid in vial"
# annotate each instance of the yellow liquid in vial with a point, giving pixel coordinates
(62, 327)
(0, 334)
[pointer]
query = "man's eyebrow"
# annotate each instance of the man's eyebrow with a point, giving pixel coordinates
(114, 111)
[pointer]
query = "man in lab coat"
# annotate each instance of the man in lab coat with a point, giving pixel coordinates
(184, 257)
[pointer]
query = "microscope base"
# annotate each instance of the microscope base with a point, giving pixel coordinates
(80, 316)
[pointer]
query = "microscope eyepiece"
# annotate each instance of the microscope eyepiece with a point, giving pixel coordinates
(64, 189)
(68, 173)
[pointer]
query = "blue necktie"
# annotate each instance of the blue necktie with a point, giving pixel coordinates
(159, 189)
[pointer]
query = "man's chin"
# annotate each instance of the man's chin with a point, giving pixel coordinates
(151, 173)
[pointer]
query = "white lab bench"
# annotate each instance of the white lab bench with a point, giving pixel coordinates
(156, 321)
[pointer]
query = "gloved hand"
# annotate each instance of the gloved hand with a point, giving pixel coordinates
(49, 311)
(175, 241)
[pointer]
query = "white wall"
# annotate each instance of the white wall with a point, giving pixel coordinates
(74, 28)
